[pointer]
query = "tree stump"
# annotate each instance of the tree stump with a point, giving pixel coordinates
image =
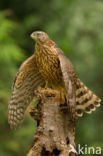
(55, 133)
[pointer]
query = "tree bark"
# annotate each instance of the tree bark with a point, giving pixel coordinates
(55, 133)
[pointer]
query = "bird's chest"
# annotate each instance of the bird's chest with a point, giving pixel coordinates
(49, 66)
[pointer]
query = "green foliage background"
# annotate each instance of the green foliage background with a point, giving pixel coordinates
(77, 27)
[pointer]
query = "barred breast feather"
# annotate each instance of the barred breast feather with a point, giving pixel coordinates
(26, 82)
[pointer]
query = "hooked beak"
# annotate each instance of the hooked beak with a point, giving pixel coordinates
(33, 36)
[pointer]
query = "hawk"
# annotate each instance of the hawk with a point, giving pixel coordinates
(49, 67)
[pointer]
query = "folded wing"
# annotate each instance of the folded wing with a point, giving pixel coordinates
(68, 77)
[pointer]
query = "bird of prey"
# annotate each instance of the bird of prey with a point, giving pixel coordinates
(49, 67)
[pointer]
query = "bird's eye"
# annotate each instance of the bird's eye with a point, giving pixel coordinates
(38, 34)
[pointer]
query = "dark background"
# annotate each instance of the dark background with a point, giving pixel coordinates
(77, 27)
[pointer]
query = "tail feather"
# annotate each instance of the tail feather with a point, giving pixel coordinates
(86, 100)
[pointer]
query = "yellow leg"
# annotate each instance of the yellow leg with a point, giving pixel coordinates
(62, 92)
(62, 95)
(46, 85)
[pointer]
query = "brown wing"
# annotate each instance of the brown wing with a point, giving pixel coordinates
(68, 76)
(79, 97)
(27, 80)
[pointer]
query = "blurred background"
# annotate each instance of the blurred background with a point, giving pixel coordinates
(77, 27)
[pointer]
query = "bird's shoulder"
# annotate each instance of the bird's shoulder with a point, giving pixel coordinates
(27, 67)
(65, 63)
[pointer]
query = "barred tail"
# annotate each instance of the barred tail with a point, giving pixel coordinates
(86, 100)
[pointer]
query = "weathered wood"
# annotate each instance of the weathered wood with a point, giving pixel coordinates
(55, 133)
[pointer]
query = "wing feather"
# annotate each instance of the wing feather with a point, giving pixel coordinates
(68, 71)
(26, 82)
(77, 94)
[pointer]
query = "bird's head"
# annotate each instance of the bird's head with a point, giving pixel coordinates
(39, 36)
